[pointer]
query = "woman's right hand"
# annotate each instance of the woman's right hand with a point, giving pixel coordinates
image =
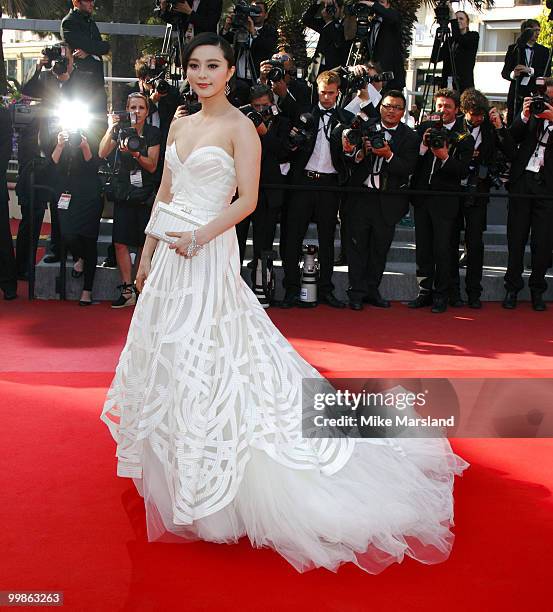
(143, 272)
(63, 137)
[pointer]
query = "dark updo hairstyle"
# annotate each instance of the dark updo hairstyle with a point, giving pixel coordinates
(212, 39)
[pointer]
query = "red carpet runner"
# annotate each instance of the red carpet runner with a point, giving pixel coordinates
(69, 524)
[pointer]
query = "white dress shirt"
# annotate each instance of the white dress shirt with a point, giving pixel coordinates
(321, 160)
(536, 162)
(357, 104)
(373, 180)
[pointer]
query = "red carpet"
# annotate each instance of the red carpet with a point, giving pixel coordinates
(70, 524)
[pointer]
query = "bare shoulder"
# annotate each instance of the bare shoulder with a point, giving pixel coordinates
(243, 131)
(177, 128)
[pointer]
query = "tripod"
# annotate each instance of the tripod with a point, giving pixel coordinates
(443, 37)
(359, 52)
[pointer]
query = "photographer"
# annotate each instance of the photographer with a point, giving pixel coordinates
(253, 39)
(314, 165)
(383, 154)
(192, 17)
(384, 41)
(135, 165)
(49, 82)
(464, 47)
(292, 95)
(8, 273)
(491, 138)
(531, 174)
(273, 131)
(81, 33)
(369, 95)
(326, 17)
(444, 158)
(163, 97)
(79, 204)
(525, 60)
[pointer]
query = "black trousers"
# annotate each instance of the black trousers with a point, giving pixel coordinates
(8, 273)
(322, 208)
(368, 243)
(473, 218)
(87, 249)
(525, 215)
(264, 220)
(435, 220)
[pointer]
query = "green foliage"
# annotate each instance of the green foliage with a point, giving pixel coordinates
(546, 34)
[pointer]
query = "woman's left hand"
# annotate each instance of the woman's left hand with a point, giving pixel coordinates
(183, 242)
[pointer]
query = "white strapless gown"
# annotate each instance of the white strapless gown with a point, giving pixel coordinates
(205, 407)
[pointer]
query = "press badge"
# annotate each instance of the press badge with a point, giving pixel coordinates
(136, 178)
(535, 162)
(63, 202)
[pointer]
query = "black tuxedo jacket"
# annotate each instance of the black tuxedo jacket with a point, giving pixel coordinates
(394, 174)
(447, 176)
(331, 46)
(296, 101)
(388, 46)
(514, 57)
(275, 151)
(300, 157)
(527, 135)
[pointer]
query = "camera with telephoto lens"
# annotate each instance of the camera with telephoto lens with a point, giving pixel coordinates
(540, 98)
(304, 133)
(361, 128)
(438, 135)
(359, 81)
(57, 58)
(277, 72)
(125, 132)
(190, 102)
(361, 11)
(259, 117)
(157, 67)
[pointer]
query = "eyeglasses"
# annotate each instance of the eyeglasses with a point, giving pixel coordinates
(395, 107)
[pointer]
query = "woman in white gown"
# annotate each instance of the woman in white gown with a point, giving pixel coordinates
(205, 405)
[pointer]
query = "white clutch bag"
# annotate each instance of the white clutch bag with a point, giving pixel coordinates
(169, 218)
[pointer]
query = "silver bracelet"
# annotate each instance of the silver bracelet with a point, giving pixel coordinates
(193, 247)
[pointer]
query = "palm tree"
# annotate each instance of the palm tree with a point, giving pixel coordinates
(23, 8)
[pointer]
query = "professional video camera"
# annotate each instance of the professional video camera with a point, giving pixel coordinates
(259, 117)
(157, 68)
(358, 82)
(540, 98)
(442, 14)
(438, 136)
(360, 128)
(241, 12)
(304, 133)
(125, 133)
(57, 56)
(363, 15)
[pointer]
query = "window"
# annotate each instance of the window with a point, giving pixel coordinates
(11, 68)
(28, 64)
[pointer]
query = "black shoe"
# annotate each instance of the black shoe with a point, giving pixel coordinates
(510, 300)
(377, 300)
(456, 302)
(23, 276)
(537, 302)
(127, 297)
(439, 306)
(355, 305)
(422, 300)
(475, 302)
(331, 300)
(290, 300)
(10, 294)
(53, 258)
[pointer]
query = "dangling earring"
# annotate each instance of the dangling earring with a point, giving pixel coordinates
(227, 89)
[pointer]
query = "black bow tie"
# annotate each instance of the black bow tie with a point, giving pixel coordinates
(330, 112)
